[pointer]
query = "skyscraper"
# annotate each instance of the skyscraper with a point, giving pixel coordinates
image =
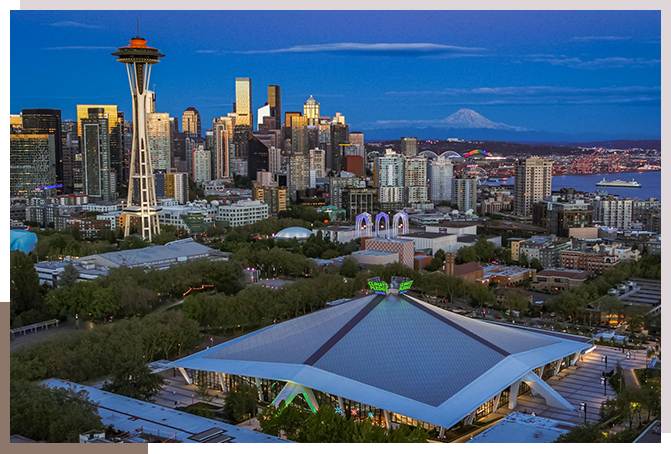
(339, 136)
(46, 121)
(95, 149)
(222, 130)
(138, 58)
(243, 101)
(288, 116)
(388, 176)
(464, 193)
(258, 156)
(263, 114)
(533, 182)
(409, 146)
(299, 162)
(275, 103)
(30, 164)
(416, 179)
(311, 111)
(191, 122)
(356, 138)
(110, 111)
(160, 141)
(441, 173)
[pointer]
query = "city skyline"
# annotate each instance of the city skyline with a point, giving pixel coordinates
(553, 77)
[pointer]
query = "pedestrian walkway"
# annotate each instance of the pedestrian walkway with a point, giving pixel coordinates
(581, 383)
(176, 393)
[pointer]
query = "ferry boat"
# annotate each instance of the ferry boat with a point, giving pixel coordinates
(619, 183)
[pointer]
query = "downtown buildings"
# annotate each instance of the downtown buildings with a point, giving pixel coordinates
(533, 182)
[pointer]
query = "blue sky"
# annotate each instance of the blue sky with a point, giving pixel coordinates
(559, 71)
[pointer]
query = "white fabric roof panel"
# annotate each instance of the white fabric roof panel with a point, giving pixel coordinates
(391, 352)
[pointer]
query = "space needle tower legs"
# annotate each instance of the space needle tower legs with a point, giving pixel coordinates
(138, 58)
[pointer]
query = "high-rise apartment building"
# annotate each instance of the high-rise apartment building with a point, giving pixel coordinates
(177, 187)
(201, 165)
(441, 172)
(465, 193)
(160, 141)
(110, 111)
(338, 183)
(299, 162)
(275, 103)
(191, 122)
(95, 149)
(416, 179)
(222, 131)
(288, 117)
(311, 111)
(613, 211)
(388, 175)
(72, 161)
(275, 198)
(274, 160)
(356, 138)
(243, 101)
(317, 162)
(46, 121)
(31, 168)
(533, 182)
(409, 146)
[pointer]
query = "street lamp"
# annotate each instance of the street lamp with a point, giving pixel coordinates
(603, 382)
(583, 409)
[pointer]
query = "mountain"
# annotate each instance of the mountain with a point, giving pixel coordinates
(470, 119)
(467, 124)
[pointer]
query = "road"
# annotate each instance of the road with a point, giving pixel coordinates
(68, 327)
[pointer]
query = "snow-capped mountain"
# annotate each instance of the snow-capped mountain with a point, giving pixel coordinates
(470, 119)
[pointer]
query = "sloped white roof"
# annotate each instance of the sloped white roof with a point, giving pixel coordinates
(392, 352)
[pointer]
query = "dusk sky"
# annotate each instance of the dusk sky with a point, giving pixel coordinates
(571, 72)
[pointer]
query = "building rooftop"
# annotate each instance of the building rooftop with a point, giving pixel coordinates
(521, 428)
(425, 235)
(467, 268)
(572, 274)
(369, 252)
(499, 270)
(338, 350)
(131, 415)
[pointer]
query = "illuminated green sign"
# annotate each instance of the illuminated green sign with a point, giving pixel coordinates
(378, 286)
(405, 286)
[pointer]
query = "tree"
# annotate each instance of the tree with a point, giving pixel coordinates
(240, 402)
(466, 254)
(515, 301)
(349, 267)
(135, 380)
(25, 285)
(524, 260)
(535, 263)
(69, 276)
(585, 433)
(202, 391)
(56, 415)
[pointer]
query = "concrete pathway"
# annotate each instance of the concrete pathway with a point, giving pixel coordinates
(582, 383)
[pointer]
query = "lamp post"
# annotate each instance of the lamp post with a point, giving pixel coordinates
(603, 382)
(583, 408)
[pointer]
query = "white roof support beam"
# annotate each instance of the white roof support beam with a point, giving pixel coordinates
(552, 397)
(291, 390)
(188, 379)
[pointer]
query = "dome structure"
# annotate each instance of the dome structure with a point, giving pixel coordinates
(428, 154)
(300, 233)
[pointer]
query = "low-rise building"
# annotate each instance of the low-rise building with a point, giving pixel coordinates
(90, 229)
(553, 280)
(243, 212)
(371, 257)
(432, 241)
(502, 293)
(454, 227)
(508, 275)
(404, 247)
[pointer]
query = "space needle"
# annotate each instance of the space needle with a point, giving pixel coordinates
(138, 58)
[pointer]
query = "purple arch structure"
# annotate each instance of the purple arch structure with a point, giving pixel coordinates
(379, 218)
(360, 219)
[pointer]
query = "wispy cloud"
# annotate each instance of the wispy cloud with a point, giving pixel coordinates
(600, 38)
(533, 95)
(72, 24)
(206, 51)
(370, 49)
(530, 91)
(599, 63)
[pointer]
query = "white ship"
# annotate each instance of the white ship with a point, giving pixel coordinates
(619, 183)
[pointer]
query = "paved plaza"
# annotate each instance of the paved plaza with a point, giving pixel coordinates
(582, 383)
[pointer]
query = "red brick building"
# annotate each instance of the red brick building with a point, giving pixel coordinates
(587, 261)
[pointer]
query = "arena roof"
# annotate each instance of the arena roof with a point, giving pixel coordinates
(393, 352)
